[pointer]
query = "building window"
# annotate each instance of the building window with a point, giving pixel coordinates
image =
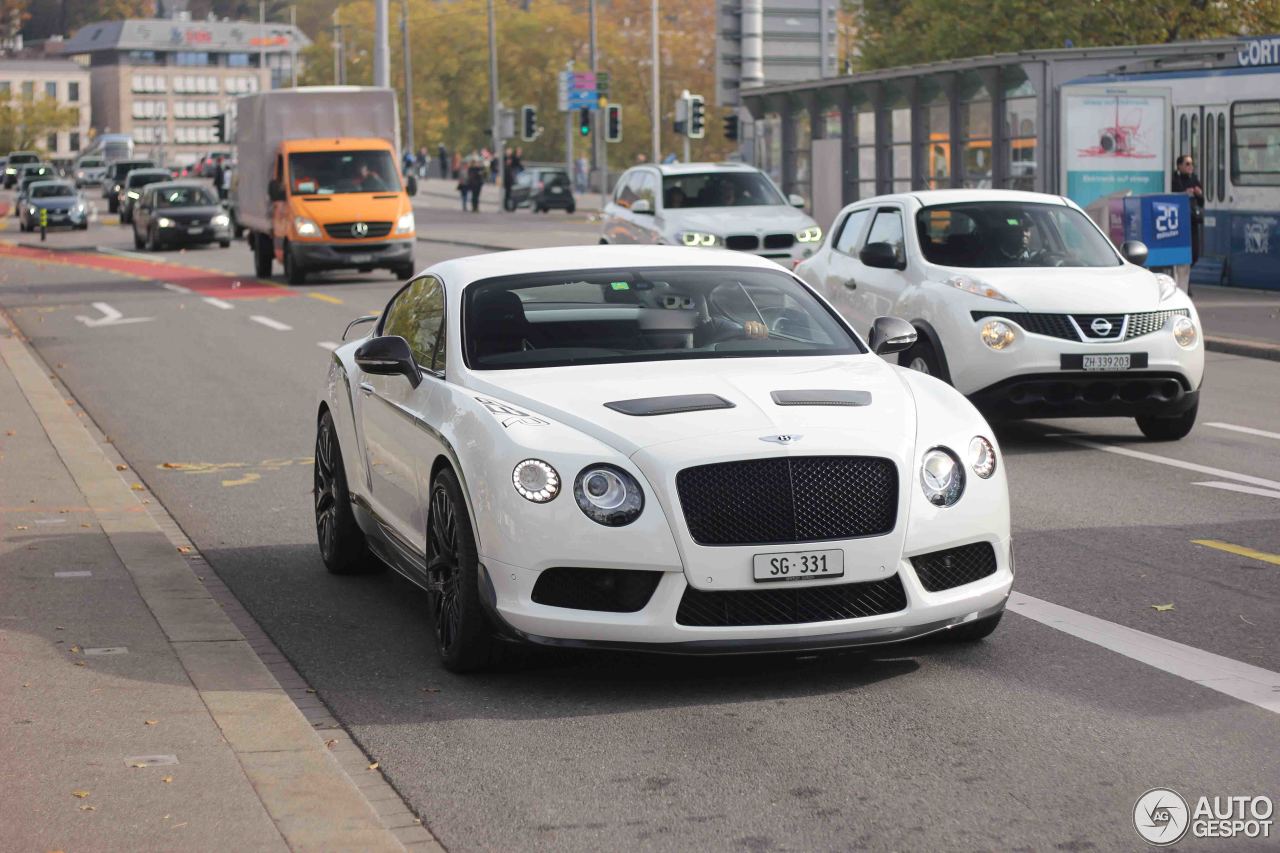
(51, 90)
(73, 140)
(864, 132)
(1255, 143)
(28, 90)
(831, 126)
(1020, 130)
(189, 57)
(145, 57)
(802, 136)
(900, 131)
(769, 146)
(51, 143)
(73, 93)
(975, 130)
(935, 136)
(241, 60)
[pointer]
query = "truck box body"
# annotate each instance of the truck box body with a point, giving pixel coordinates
(267, 119)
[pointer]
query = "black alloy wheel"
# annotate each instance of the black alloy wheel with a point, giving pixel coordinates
(464, 637)
(342, 543)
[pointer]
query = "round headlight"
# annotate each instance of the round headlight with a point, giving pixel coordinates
(535, 481)
(1184, 332)
(941, 477)
(982, 457)
(608, 495)
(997, 334)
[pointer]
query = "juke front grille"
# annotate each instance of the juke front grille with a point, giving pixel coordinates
(795, 604)
(1060, 325)
(789, 499)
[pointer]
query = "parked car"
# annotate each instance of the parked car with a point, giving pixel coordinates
(132, 189)
(661, 449)
(62, 203)
(1021, 303)
(709, 205)
(14, 163)
(89, 171)
(542, 188)
(179, 213)
(113, 180)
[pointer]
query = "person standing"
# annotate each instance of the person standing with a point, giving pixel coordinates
(508, 177)
(408, 161)
(443, 154)
(1185, 180)
(475, 181)
(456, 166)
(219, 171)
(464, 186)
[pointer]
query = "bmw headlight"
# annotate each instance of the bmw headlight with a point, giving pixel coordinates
(220, 221)
(997, 334)
(608, 495)
(1184, 332)
(976, 286)
(941, 477)
(1168, 287)
(404, 225)
(982, 457)
(133, 194)
(809, 235)
(165, 222)
(32, 210)
(304, 227)
(535, 481)
(698, 238)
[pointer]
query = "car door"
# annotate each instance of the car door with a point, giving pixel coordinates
(400, 423)
(839, 276)
(617, 213)
(879, 290)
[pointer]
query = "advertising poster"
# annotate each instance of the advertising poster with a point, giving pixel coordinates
(1114, 139)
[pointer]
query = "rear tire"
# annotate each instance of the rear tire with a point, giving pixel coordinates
(571, 208)
(261, 255)
(224, 244)
(342, 543)
(971, 632)
(1168, 427)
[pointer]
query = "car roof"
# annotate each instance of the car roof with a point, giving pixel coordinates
(59, 182)
(698, 168)
(171, 185)
(147, 171)
(927, 198)
(462, 272)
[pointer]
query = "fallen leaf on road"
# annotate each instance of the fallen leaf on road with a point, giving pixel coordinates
(149, 722)
(1242, 617)
(26, 684)
(1161, 608)
(24, 526)
(311, 690)
(75, 650)
(431, 690)
(138, 487)
(373, 766)
(178, 825)
(59, 628)
(88, 808)
(330, 742)
(85, 524)
(79, 663)
(166, 779)
(11, 432)
(122, 467)
(138, 764)
(183, 549)
(79, 795)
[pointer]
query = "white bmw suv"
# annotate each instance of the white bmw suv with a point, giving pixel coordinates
(720, 205)
(1021, 303)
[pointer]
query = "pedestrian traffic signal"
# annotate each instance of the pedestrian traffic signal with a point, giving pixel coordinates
(528, 123)
(613, 123)
(731, 127)
(697, 116)
(584, 121)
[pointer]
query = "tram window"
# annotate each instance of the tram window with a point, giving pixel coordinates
(1222, 157)
(1210, 154)
(1183, 138)
(1255, 143)
(1194, 149)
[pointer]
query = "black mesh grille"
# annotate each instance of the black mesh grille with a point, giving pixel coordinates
(344, 230)
(742, 242)
(779, 241)
(611, 590)
(790, 606)
(955, 566)
(1146, 322)
(1052, 325)
(789, 499)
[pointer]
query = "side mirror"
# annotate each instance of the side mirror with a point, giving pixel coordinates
(881, 255)
(795, 200)
(388, 356)
(1135, 252)
(275, 191)
(890, 335)
(642, 205)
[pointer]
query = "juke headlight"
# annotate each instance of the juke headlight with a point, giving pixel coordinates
(997, 334)
(698, 238)
(941, 477)
(809, 235)
(608, 495)
(1184, 332)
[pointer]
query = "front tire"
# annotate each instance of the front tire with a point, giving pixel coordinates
(224, 244)
(261, 255)
(464, 637)
(153, 241)
(571, 208)
(1168, 427)
(342, 543)
(293, 272)
(404, 272)
(922, 357)
(137, 239)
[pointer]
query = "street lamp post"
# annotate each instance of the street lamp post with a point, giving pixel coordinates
(408, 75)
(493, 85)
(656, 130)
(381, 53)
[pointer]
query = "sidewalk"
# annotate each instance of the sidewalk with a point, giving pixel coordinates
(436, 189)
(1239, 320)
(144, 708)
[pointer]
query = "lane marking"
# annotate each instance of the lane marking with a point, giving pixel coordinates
(1247, 430)
(271, 324)
(175, 288)
(219, 303)
(1165, 460)
(1242, 488)
(1242, 681)
(329, 345)
(80, 574)
(324, 297)
(110, 317)
(243, 481)
(1239, 550)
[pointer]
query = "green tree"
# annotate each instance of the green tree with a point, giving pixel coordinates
(24, 123)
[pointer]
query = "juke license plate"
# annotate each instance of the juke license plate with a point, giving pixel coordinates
(798, 566)
(1111, 361)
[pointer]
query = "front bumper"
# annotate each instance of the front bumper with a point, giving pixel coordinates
(386, 254)
(185, 234)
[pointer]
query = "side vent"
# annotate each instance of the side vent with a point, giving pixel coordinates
(834, 397)
(645, 406)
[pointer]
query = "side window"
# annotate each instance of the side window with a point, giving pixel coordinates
(887, 228)
(847, 239)
(626, 191)
(648, 188)
(417, 315)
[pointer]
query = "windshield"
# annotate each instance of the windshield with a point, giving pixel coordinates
(140, 180)
(1011, 234)
(19, 159)
(609, 316)
(184, 197)
(719, 189)
(330, 172)
(52, 191)
(90, 163)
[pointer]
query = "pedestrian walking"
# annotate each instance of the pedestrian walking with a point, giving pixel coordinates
(475, 181)
(495, 167)
(409, 162)
(455, 166)
(464, 187)
(224, 186)
(1185, 180)
(219, 172)
(443, 154)
(424, 162)
(517, 161)
(508, 177)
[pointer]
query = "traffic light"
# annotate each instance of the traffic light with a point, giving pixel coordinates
(613, 123)
(584, 121)
(731, 127)
(220, 128)
(697, 117)
(528, 122)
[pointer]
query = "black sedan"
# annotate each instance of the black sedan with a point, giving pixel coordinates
(542, 188)
(134, 185)
(179, 213)
(61, 203)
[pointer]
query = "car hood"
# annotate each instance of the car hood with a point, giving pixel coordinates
(59, 203)
(762, 219)
(576, 396)
(1071, 290)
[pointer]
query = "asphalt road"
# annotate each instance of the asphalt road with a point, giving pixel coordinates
(1035, 739)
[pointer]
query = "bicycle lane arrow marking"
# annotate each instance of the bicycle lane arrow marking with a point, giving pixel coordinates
(111, 317)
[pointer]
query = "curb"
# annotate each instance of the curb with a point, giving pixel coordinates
(1239, 346)
(311, 778)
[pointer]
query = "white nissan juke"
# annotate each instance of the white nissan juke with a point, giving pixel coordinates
(1021, 303)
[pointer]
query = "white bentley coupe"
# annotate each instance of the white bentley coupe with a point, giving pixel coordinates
(664, 449)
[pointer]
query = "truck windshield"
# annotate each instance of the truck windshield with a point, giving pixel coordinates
(330, 172)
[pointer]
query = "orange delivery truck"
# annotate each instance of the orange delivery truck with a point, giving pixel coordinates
(317, 186)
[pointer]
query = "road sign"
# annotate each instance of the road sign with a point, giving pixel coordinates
(577, 91)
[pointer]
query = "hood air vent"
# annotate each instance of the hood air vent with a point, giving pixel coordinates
(644, 406)
(834, 397)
